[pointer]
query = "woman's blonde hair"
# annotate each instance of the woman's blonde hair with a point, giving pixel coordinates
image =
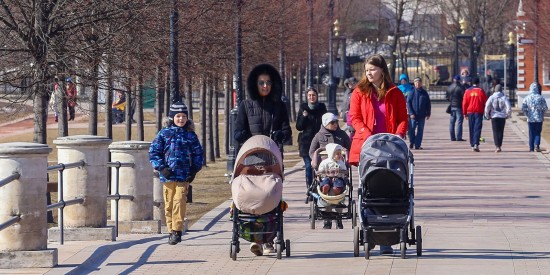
(366, 87)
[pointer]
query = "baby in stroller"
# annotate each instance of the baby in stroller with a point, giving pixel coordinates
(333, 170)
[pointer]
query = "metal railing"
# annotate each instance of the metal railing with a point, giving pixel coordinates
(116, 196)
(15, 218)
(61, 203)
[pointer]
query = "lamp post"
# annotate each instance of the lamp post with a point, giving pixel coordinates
(233, 146)
(331, 88)
(512, 67)
(470, 40)
(535, 46)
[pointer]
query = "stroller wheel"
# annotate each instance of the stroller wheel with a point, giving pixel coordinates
(353, 214)
(403, 247)
(233, 252)
(312, 214)
(287, 247)
(355, 241)
(418, 240)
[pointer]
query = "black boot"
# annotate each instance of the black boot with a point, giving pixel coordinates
(172, 238)
(339, 224)
(178, 236)
(328, 224)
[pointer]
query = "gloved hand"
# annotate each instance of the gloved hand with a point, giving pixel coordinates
(190, 178)
(166, 172)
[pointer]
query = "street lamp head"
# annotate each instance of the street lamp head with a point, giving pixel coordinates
(511, 38)
(463, 25)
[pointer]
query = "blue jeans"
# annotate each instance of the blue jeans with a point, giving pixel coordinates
(309, 170)
(475, 124)
(456, 117)
(416, 131)
(535, 128)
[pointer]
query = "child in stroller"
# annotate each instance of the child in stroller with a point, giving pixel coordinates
(333, 170)
(256, 188)
(331, 190)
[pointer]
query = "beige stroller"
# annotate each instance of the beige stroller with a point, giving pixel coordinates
(257, 189)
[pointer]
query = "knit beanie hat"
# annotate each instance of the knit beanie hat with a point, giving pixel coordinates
(176, 108)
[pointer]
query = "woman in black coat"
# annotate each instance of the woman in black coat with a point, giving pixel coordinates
(308, 123)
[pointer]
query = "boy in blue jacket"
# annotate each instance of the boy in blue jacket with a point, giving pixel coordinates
(177, 155)
(420, 110)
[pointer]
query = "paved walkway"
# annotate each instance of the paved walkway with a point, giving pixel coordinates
(481, 213)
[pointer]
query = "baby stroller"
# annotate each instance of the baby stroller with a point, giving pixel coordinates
(257, 188)
(330, 207)
(386, 196)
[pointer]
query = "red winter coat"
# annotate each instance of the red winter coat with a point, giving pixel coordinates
(362, 118)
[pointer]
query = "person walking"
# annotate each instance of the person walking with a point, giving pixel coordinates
(404, 85)
(455, 94)
(71, 97)
(263, 113)
(473, 106)
(377, 106)
(309, 123)
(55, 98)
(350, 84)
(330, 133)
(534, 106)
(420, 110)
(498, 109)
(177, 155)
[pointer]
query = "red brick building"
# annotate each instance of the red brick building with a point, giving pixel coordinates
(526, 58)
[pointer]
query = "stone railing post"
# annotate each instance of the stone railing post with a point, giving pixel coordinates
(86, 221)
(24, 244)
(158, 208)
(135, 216)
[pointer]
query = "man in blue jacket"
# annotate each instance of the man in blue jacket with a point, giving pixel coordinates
(420, 109)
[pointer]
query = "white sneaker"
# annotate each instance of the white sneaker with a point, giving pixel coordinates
(256, 249)
(268, 248)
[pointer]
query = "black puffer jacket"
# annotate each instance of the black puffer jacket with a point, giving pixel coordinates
(455, 94)
(259, 115)
(308, 125)
(324, 137)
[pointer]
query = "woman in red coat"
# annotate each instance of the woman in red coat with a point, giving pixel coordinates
(377, 106)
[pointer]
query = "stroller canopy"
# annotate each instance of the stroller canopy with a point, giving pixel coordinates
(384, 151)
(259, 150)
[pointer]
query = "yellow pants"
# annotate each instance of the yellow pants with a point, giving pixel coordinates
(175, 204)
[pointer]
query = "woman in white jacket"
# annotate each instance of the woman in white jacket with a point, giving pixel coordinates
(498, 109)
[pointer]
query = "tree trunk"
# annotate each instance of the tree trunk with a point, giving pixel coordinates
(210, 138)
(40, 108)
(92, 111)
(216, 120)
(167, 100)
(63, 126)
(159, 96)
(109, 100)
(139, 109)
(203, 114)
(189, 95)
(128, 110)
(227, 109)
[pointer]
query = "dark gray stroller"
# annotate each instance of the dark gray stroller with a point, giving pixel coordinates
(386, 196)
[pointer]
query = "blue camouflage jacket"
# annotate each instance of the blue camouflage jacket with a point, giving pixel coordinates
(178, 149)
(534, 106)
